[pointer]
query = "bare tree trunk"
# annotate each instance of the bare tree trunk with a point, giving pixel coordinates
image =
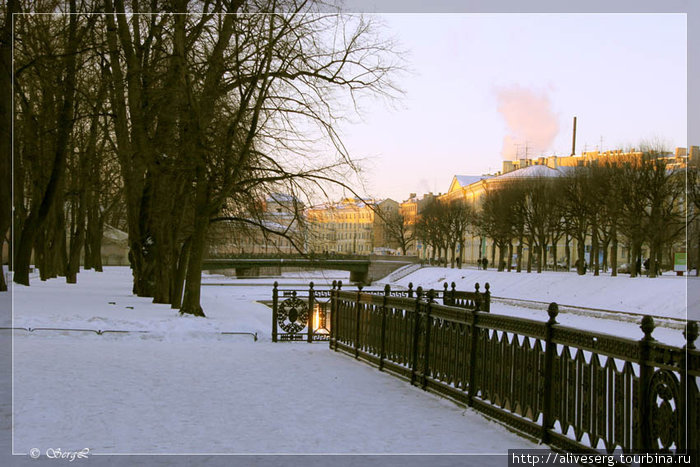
(594, 252)
(5, 136)
(530, 247)
(581, 260)
(501, 255)
(567, 252)
(63, 131)
(78, 230)
(191, 301)
(613, 256)
(510, 256)
(634, 256)
(519, 265)
(179, 279)
(3, 283)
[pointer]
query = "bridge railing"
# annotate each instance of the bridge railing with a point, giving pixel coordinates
(575, 390)
(318, 256)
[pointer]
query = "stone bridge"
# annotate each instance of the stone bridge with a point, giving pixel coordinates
(363, 269)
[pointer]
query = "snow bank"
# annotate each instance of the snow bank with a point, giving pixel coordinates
(662, 296)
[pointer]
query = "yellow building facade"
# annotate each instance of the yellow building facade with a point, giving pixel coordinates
(471, 190)
(345, 227)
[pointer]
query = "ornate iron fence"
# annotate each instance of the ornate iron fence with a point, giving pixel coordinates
(305, 314)
(575, 390)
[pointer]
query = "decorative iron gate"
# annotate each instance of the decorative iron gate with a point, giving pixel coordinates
(305, 314)
(300, 314)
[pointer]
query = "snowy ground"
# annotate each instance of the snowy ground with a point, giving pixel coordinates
(184, 387)
(662, 297)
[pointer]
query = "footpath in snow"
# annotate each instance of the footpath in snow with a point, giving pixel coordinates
(186, 388)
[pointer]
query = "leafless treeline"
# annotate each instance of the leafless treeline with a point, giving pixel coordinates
(633, 202)
(165, 121)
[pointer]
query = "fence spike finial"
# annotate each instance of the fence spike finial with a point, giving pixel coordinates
(387, 290)
(648, 327)
(476, 287)
(552, 311)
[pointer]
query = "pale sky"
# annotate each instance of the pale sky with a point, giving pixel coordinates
(482, 83)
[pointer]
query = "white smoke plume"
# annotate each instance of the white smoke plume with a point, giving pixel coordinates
(530, 120)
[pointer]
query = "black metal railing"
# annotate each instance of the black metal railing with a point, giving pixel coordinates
(573, 389)
(305, 314)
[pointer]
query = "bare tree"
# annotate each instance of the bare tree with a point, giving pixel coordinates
(577, 212)
(496, 219)
(48, 51)
(398, 231)
(693, 216)
(10, 7)
(230, 98)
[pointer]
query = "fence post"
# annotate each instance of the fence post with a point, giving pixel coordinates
(416, 330)
(426, 345)
(445, 299)
(357, 322)
(382, 336)
(337, 313)
(454, 294)
(487, 298)
(331, 335)
(689, 395)
(410, 290)
(549, 352)
(643, 439)
(275, 300)
(310, 325)
(472, 356)
(477, 297)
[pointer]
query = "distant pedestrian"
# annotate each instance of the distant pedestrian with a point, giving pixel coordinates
(486, 263)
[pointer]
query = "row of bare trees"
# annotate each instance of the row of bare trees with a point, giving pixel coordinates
(635, 201)
(171, 120)
(443, 227)
(632, 201)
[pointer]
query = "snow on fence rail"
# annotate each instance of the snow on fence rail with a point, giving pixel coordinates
(573, 389)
